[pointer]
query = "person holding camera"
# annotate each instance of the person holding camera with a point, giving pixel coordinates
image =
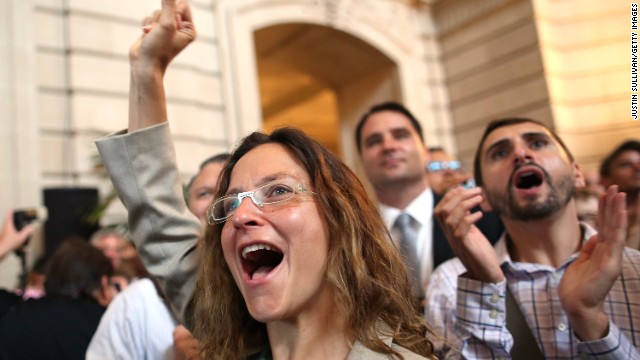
(445, 172)
(10, 238)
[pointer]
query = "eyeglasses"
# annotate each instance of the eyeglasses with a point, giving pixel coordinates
(436, 166)
(268, 194)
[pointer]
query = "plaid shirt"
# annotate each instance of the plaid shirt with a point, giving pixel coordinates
(470, 315)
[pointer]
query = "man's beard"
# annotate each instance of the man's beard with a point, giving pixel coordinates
(505, 204)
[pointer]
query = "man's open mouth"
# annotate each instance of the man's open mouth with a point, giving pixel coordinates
(529, 178)
(260, 259)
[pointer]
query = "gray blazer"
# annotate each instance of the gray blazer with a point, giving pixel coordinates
(142, 167)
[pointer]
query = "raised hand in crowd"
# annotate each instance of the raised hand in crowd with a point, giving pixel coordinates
(10, 238)
(467, 241)
(165, 34)
(590, 277)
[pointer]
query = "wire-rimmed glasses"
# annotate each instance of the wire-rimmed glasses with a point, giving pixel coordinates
(270, 193)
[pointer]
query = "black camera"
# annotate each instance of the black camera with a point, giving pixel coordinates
(24, 217)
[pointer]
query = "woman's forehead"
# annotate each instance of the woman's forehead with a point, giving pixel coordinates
(264, 163)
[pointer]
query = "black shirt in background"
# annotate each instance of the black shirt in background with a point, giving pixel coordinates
(46, 328)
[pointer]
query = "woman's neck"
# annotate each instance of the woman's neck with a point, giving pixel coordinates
(320, 333)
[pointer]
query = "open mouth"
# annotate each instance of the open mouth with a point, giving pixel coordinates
(527, 179)
(260, 259)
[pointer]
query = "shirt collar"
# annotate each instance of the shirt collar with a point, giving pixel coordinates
(420, 209)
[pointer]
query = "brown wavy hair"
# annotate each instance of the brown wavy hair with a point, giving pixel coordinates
(363, 266)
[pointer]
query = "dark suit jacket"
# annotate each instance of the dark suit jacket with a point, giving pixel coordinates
(490, 225)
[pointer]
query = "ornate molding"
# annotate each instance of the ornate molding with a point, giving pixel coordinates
(333, 12)
(400, 19)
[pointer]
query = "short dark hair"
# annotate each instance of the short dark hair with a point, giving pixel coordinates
(215, 159)
(629, 145)
(495, 124)
(386, 106)
(218, 158)
(75, 270)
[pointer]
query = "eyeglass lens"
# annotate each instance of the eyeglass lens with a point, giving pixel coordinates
(443, 165)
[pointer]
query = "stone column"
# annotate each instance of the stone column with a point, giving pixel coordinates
(20, 184)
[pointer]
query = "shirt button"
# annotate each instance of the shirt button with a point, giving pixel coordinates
(493, 314)
(562, 327)
(556, 275)
(494, 298)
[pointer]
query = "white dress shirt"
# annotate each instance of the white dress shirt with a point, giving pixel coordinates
(421, 209)
(136, 325)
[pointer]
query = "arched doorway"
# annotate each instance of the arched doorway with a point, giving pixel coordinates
(363, 52)
(320, 79)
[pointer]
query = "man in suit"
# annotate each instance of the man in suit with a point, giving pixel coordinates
(391, 146)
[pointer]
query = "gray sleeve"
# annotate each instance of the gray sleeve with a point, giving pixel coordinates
(143, 169)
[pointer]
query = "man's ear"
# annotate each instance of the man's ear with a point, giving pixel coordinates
(484, 205)
(579, 179)
(427, 154)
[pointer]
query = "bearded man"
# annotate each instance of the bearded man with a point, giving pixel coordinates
(551, 287)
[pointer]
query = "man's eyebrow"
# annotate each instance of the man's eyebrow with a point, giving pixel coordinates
(497, 144)
(535, 134)
(372, 136)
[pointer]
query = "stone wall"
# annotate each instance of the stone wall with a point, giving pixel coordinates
(586, 47)
(493, 66)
